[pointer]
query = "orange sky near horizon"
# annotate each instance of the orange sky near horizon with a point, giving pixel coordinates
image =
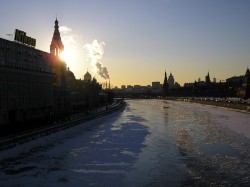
(141, 39)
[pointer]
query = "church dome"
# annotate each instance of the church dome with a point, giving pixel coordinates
(87, 77)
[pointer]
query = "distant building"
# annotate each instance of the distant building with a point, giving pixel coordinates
(139, 89)
(156, 87)
(177, 85)
(87, 77)
(165, 85)
(235, 81)
(188, 85)
(171, 81)
(201, 83)
(130, 87)
(137, 86)
(207, 78)
(244, 90)
(123, 87)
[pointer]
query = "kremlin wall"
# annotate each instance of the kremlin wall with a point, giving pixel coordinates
(38, 85)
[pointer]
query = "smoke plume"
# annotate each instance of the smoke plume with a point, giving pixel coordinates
(95, 53)
(102, 71)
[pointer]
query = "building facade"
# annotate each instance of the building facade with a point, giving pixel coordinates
(25, 83)
(38, 85)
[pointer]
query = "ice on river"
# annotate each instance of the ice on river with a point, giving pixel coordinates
(150, 143)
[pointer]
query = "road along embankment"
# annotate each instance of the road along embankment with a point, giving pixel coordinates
(22, 137)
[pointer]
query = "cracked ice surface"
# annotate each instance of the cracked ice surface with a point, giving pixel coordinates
(150, 143)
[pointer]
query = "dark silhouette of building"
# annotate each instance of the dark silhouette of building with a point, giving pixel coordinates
(207, 79)
(56, 46)
(165, 84)
(244, 90)
(26, 80)
(87, 77)
(38, 85)
(61, 91)
(247, 78)
(171, 81)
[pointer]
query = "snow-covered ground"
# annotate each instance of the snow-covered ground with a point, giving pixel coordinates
(150, 143)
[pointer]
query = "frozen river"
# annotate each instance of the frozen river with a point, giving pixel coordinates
(150, 143)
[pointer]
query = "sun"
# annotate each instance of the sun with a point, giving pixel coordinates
(73, 57)
(69, 56)
(65, 56)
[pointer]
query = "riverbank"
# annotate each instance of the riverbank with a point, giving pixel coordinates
(241, 106)
(12, 139)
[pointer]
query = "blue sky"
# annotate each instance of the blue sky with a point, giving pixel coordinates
(143, 38)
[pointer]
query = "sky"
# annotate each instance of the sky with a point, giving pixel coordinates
(139, 40)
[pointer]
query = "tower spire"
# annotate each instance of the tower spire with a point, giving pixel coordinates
(56, 46)
(165, 83)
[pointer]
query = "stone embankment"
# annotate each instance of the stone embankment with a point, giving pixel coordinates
(22, 137)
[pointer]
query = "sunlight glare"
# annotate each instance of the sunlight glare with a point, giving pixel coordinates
(72, 56)
(69, 56)
(64, 56)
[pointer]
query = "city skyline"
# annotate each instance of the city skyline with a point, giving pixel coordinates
(139, 40)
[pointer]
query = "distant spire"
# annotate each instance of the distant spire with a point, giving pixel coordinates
(247, 71)
(165, 83)
(207, 78)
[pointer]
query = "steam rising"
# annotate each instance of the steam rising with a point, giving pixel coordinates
(102, 71)
(95, 52)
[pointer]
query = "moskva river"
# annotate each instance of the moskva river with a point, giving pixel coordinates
(149, 143)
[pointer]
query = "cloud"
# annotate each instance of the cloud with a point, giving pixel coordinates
(66, 35)
(64, 29)
(95, 53)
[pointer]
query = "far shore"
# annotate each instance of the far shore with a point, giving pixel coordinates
(241, 106)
